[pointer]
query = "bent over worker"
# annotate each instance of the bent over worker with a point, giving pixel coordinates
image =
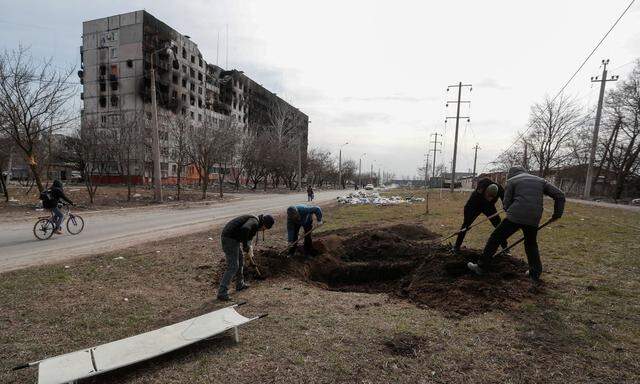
(239, 232)
(523, 202)
(482, 200)
(301, 216)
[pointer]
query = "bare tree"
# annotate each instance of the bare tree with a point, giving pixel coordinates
(227, 137)
(212, 142)
(626, 153)
(178, 127)
(125, 142)
(551, 123)
(89, 150)
(34, 100)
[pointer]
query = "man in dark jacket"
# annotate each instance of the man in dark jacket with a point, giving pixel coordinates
(301, 216)
(523, 202)
(56, 194)
(239, 232)
(482, 200)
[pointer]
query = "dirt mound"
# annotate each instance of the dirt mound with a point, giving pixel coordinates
(397, 260)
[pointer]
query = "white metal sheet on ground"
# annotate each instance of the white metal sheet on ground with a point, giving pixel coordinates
(106, 357)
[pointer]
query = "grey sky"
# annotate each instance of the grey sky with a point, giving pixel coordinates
(375, 73)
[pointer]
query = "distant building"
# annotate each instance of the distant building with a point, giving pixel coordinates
(116, 55)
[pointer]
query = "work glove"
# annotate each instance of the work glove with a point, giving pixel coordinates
(320, 222)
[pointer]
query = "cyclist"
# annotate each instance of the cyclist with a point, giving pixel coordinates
(51, 201)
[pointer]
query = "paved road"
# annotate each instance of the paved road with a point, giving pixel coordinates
(120, 229)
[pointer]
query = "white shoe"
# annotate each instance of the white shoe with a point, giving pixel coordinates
(475, 268)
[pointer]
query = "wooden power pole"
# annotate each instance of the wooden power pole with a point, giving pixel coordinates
(596, 126)
(457, 117)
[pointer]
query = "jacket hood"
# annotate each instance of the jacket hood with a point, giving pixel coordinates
(57, 184)
(514, 171)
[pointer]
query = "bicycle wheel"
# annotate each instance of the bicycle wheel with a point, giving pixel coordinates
(75, 224)
(43, 229)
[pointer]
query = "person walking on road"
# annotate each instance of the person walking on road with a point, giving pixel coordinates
(309, 193)
(301, 216)
(482, 200)
(523, 202)
(238, 233)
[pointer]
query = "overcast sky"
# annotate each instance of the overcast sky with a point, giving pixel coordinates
(375, 73)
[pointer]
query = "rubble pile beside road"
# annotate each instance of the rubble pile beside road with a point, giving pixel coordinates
(374, 198)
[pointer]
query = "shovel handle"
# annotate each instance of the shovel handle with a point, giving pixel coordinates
(522, 239)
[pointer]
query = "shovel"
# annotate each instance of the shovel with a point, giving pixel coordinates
(438, 241)
(295, 243)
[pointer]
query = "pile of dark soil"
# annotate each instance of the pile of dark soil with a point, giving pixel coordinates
(401, 261)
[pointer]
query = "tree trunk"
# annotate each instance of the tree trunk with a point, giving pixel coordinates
(220, 179)
(5, 190)
(178, 181)
(205, 184)
(34, 170)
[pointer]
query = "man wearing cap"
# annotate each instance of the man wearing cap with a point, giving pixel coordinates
(239, 232)
(482, 200)
(301, 216)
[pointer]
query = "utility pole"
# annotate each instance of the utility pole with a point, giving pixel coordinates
(457, 117)
(155, 147)
(525, 160)
(596, 127)
(475, 159)
(340, 166)
(434, 150)
(426, 171)
(360, 170)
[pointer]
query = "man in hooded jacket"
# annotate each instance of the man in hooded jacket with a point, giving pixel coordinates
(482, 200)
(56, 194)
(523, 202)
(238, 233)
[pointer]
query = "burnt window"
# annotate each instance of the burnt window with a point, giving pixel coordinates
(175, 79)
(192, 115)
(174, 94)
(103, 101)
(192, 100)
(184, 97)
(130, 63)
(200, 90)
(192, 72)
(103, 70)
(199, 103)
(199, 117)
(184, 83)
(193, 59)
(149, 115)
(184, 53)
(199, 76)
(193, 87)
(114, 85)
(184, 110)
(103, 118)
(114, 100)
(200, 61)
(103, 86)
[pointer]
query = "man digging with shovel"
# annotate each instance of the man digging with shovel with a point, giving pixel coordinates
(301, 216)
(237, 232)
(482, 200)
(523, 202)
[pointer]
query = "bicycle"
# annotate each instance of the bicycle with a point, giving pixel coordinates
(46, 226)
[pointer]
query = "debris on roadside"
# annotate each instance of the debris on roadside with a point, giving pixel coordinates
(374, 198)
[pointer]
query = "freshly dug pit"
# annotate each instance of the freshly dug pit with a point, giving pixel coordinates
(400, 261)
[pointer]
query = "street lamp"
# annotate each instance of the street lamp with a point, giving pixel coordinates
(360, 169)
(340, 166)
(155, 147)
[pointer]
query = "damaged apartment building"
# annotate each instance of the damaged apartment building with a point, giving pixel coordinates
(116, 59)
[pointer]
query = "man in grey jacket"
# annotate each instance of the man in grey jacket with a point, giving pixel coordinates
(523, 202)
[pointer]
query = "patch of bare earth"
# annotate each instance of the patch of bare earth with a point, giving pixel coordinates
(402, 260)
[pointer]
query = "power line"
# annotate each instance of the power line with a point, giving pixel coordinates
(574, 75)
